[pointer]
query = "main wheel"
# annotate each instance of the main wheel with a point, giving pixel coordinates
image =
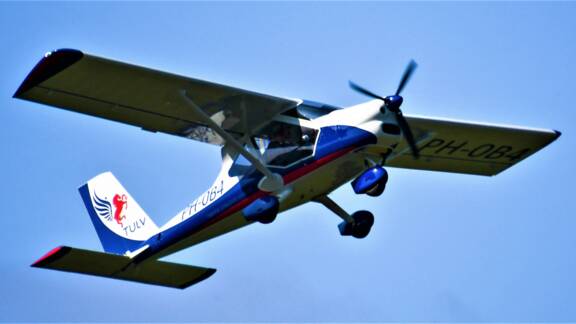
(377, 190)
(363, 221)
(267, 219)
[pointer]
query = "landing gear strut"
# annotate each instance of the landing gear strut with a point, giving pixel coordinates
(357, 225)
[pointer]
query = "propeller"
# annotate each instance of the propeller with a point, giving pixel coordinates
(406, 76)
(393, 103)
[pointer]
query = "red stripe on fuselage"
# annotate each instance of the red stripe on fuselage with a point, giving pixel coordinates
(300, 172)
(288, 178)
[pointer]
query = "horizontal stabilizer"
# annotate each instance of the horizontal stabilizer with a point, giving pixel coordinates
(107, 265)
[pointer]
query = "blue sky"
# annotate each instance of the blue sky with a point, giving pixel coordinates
(444, 247)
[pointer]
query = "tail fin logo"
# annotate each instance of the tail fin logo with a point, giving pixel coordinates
(105, 210)
(121, 204)
(113, 209)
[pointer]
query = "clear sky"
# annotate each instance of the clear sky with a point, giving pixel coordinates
(444, 247)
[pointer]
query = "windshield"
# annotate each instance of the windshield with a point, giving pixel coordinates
(278, 144)
(281, 144)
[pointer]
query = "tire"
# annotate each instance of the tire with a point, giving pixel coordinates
(267, 219)
(363, 221)
(377, 190)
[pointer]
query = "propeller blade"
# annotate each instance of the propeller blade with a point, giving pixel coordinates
(393, 103)
(365, 91)
(401, 121)
(407, 74)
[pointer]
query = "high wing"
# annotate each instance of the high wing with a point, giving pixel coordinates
(467, 147)
(150, 99)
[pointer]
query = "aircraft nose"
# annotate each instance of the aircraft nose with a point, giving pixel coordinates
(393, 103)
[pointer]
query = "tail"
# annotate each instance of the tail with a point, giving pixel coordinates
(120, 222)
(122, 227)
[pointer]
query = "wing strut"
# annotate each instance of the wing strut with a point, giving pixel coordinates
(271, 181)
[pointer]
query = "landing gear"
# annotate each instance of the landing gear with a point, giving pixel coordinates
(357, 225)
(377, 190)
(263, 210)
(363, 221)
(371, 182)
(267, 219)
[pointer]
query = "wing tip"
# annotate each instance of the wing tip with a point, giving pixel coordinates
(52, 255)
(558, 134)
(209, 272)
(52, 63)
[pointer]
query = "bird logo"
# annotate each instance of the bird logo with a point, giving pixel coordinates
(115, 210)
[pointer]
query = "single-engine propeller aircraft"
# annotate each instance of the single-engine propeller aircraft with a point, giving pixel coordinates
(277, 153)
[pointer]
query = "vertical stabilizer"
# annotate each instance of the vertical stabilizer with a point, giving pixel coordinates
(120, 222)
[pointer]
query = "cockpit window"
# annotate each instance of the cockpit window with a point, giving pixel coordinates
(278, 144)
(281, 144)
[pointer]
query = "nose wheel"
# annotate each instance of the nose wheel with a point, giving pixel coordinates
(357, 225)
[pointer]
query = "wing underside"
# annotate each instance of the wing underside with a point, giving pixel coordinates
(153, 100)
(467, 147)
(114, 266)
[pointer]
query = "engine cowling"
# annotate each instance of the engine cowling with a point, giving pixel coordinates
(371, 182)
(263, 210)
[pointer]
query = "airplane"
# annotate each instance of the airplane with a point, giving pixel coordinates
(277, 153)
